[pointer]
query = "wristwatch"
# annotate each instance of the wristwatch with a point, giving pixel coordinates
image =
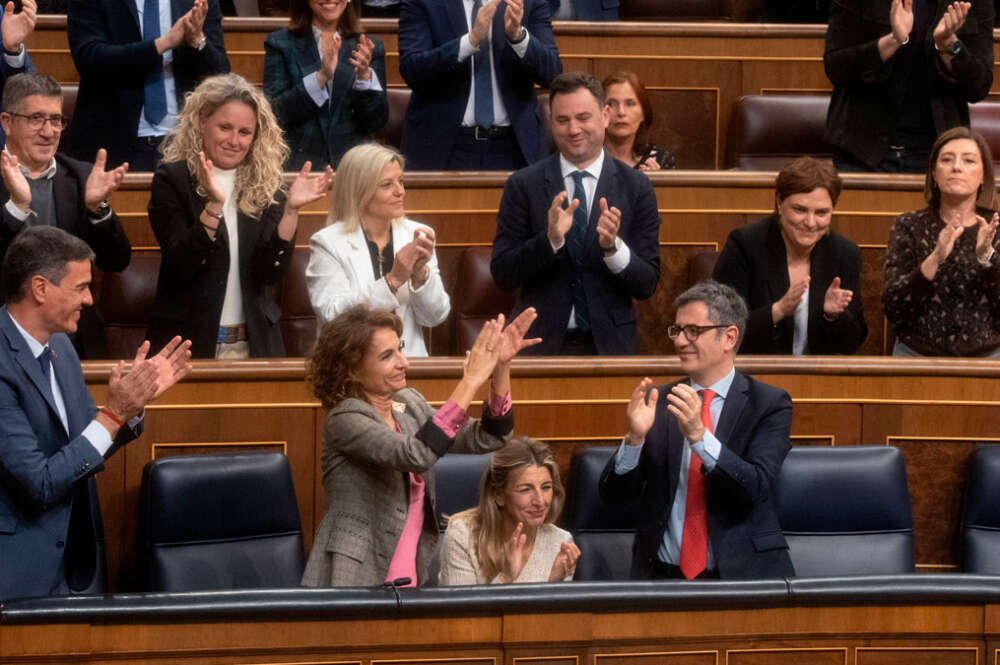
(520, 36)
(102, 211)
(956, 47)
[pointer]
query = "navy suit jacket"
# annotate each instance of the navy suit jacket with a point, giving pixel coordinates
(321, 134)
(590, 10)
(755, 263)
(113, 60)
(743, 526)
(45, 474)
(429, 34)
(523, 257)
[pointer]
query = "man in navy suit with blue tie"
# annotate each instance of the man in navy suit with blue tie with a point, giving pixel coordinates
(137, 59)
(578, 233)
(472, 66)
(53, 439)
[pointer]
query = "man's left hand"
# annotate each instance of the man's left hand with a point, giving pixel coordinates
(951, 21)
(512, 19)
(194, 21)
(15, 28)
(685, 404)
(607, 225)
(101, 183)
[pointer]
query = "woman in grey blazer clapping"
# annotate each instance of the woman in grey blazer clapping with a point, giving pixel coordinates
(382, 439)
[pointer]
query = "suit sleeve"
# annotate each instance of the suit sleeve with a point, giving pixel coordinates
(184, 245)
(541, 62)
(94, 52)
(851, 54)
(421, 63)
(371, 107)
(331, 289)
(430, 302)
(520, 254)
(109, 242)
(642, 274)
(735, 268)
(272, 254)
(289, 98)
(211, 59)
(621, 489)
(972, 69)
(749, 477)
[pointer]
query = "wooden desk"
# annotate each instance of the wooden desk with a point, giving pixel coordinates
(694, 71)
(935, 411)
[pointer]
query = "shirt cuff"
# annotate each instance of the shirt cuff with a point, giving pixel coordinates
(16, 212)
(521, 47)
(370, 84)
(450, 418)
(98, 437)
(556, 248)
(627, 457)
(618, 261)
(708, 450)
(315, 90)
(465, 48)
(15, 60)
(499, 404)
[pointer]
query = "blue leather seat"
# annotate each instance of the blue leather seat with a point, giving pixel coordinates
(603, 533)
(981, 513)
(846, 511)
(456, 478)
(219, 522)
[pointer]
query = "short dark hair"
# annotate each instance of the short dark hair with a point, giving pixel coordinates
(987, 191)
(21, 86)
(40, 250)
(569, 82)
(341, 348)
(725, 306)
(804, 174)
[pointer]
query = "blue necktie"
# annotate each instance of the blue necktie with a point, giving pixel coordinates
(482, 77)
(154, 103)
(575, 240)
(45, 362)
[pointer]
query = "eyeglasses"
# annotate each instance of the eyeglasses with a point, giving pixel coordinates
(36, 120)
(692, 332)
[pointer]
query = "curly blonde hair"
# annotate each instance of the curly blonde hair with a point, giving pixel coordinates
(258, 177)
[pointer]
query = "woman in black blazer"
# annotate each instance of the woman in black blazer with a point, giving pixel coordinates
(325, 80)
(225, 224)
(801, 280)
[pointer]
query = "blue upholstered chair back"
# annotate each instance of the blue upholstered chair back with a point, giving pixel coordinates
(981, 513)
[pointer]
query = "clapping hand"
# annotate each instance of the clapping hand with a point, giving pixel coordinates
(685, 404)
(836, 299)
(148, 378)
(511, 340)
(482, 357)
(561, 219)
(951, 21)
(984, 237)
(194, 22)
(484, 19)
(331, 56)
(362, 58)
(641, 411)
(14, 181)
(608, 224)
(512, 19)
(565, 563)
(308, 187)
(901, 19)
(100, 183)
(515, 554)
(15, 28)
(207, 182)
(790, 301)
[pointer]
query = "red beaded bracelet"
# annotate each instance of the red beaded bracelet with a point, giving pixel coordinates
(113, 417)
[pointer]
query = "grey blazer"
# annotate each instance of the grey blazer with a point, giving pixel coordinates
(365, 482)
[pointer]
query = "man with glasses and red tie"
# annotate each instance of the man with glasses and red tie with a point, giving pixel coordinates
(43, 187)
(702, 455)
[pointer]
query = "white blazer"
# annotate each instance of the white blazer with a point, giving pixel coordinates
(340, 275)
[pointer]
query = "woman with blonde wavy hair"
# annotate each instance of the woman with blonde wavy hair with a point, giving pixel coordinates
(372, 253)
(511, 536)
(225, 224)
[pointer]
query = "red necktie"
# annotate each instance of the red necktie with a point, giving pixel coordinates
(694, 541)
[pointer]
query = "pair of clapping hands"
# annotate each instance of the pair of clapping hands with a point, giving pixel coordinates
(361, 58)
(561, 219)
(147, 378)
(99, 186)
(516, 554)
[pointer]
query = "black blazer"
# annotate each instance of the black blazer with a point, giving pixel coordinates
(754, 263)
(743, 526)
(321, 134)
(105, 39)
(192, 283)
(523, 258)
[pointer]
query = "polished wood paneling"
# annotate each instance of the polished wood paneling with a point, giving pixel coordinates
(790, 656)
(926, 655)
(658, 658)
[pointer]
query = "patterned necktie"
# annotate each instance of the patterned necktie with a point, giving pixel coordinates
(694, 542)
(154, 103)
(576, 242)
(482, 77)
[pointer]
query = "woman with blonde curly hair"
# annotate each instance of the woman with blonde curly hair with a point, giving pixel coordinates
(225, 224)
(381, 441)
(511, 535)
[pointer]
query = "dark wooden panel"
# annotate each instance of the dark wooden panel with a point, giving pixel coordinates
(924, 655)
(658, 658)
(790, 656)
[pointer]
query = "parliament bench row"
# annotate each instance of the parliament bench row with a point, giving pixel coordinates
(844, 511)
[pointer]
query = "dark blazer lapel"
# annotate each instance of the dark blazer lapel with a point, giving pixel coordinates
(75, 411)
(343, 79)
(26, 360)
(607, 186)
(736, 402)
(64, 191)
(553, 182)
(820, 276)
(130, 7)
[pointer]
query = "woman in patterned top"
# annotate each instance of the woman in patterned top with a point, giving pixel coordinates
(941, 266)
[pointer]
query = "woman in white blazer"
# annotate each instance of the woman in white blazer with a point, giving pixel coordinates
(371, 253)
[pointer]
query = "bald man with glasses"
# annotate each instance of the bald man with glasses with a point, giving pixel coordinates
(702, 455)
(41, 186)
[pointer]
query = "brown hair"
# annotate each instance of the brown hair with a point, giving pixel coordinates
(632, 79)
(486, 519)
(987, 191)
(300, 17)
(804, 174)
(341, 347)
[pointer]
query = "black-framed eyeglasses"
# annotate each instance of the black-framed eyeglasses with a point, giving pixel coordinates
(35, 121)
(691, 331)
